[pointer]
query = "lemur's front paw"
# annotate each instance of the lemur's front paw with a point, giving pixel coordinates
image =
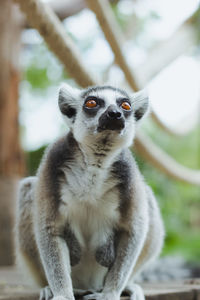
(46, 294)
(102, 296)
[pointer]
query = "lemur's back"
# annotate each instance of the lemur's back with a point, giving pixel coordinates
(27, 254)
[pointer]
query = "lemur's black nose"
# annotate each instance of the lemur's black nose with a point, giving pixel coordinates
(113, 113)
(111, 119)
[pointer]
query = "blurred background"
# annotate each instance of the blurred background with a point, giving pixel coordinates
(161, 44)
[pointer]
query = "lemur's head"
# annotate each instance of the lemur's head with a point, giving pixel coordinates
(102, 111)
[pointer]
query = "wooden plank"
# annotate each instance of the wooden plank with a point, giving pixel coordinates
(12, 287)
(9, 292)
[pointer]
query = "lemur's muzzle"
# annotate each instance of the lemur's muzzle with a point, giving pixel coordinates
(111, 119)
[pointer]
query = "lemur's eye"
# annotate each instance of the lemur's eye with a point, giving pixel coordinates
(125, 105)
(91, 103)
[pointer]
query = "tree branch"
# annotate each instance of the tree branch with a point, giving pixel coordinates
(114, 36)
(66, 8)
(42, 18)
(154, 64)
(162, 161)
(166, 52)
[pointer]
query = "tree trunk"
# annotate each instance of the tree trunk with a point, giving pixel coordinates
(11, 157)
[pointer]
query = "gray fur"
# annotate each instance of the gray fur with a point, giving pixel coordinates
(89, 218)
(74, 246)
(105, 255)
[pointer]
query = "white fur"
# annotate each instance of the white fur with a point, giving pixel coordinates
(89, 205)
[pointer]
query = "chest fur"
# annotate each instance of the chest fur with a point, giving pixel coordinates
(90, 201)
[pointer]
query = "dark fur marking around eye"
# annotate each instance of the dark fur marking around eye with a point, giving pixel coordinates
(91, 112)
(126, 113)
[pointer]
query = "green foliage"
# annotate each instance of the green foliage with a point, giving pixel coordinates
(180, 206)
(185, 149)
(179, 202)
(122, 19)
(33, 159)
(195, 21)
(37, 77)
(42, 69)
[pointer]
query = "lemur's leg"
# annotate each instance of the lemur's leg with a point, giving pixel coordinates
(154, 238)
(134, 250)
(27, 255)
(129, 245)
(152, 246)
(49, 231)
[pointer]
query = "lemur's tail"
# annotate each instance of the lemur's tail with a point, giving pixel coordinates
(168, 269)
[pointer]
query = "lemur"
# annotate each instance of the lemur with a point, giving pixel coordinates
(87, 223)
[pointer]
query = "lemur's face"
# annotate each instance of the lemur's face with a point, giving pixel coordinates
(102, 111)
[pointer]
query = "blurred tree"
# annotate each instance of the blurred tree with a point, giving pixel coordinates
(11, 157)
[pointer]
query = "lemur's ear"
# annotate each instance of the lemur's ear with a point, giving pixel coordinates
(140, 102)
(68, 101)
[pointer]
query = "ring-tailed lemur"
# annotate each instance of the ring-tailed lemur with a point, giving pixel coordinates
(88, 221)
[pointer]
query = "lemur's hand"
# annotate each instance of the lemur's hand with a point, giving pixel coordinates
(102, 296)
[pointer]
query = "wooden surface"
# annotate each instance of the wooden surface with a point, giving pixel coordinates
(13, 288)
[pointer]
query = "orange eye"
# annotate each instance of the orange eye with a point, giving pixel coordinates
(125, 105)
(91, 103)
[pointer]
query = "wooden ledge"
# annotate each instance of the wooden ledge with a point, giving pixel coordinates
(11, 288)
